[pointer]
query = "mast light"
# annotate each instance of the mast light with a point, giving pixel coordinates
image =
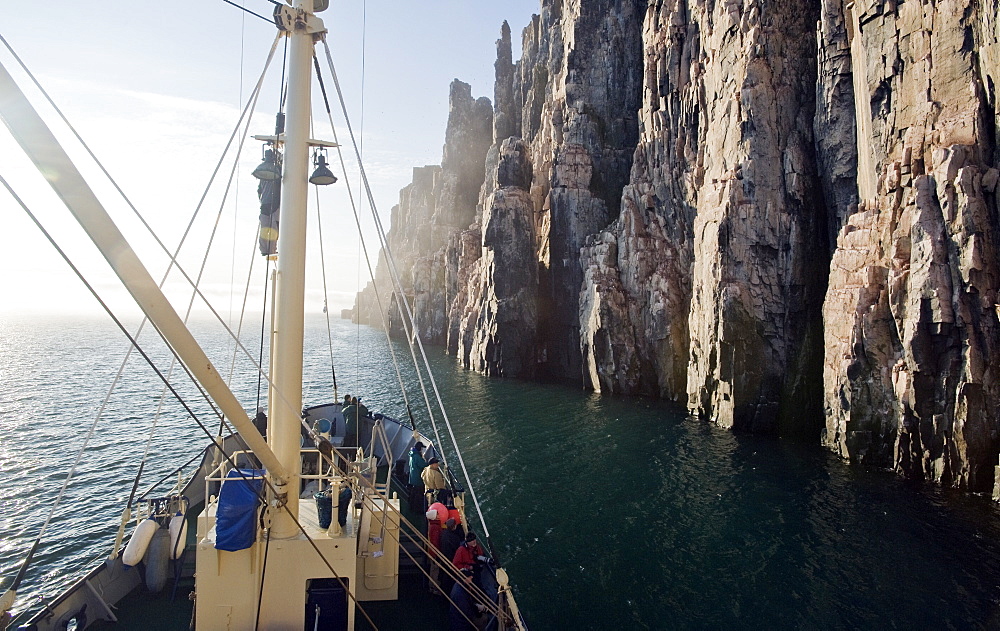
(268, 169)
(322, 176)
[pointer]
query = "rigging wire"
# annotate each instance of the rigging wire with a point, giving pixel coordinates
(198, 293)
(409, 315)
(241, 8)
(174, 264)
(386, 328)
(263, 321)
(378, 299)
(249, 108)
(326, 301)
(243, 309)
(236, 200)
(414, 534)
(200, 454)
(322, 252)
(371, 273)
(364, 249)
(149, 360)
(174, 360)
(201, 272)
(361, 151)
(132, 339)
(142, 324)
(134, 344)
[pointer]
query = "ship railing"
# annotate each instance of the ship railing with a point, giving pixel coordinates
(313, 467)
(160, 507)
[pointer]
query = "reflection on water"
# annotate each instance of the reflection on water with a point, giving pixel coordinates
(607, 512)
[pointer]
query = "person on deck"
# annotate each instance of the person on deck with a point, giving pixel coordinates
(464, 610)
(436, 515)
(433, 477)
(259, 422)
(416, 486)
(450, 539)
(359, 418)
(350, 412)
(362, 409)
(446, 498)
(470, 556)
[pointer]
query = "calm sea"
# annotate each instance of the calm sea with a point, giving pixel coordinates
(608, 513)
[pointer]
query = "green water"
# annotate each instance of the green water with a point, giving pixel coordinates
(613, 512)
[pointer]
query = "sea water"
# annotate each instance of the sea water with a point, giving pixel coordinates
(607, 512)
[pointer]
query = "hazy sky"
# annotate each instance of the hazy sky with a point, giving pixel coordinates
(155, 88)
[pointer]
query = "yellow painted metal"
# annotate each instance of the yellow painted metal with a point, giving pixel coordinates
(228, 583)
(378, 553)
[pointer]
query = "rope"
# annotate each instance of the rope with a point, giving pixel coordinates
(326, 301)
(263, 573)
(364, 248)
(409, 315)
(266, 19)
(371, 273)
(134, 344)
(243, 309)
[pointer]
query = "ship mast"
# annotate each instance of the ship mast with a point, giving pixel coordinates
(285, 401)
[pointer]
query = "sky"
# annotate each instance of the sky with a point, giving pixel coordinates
(155, 89)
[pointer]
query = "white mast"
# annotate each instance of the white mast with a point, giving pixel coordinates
(286, 353)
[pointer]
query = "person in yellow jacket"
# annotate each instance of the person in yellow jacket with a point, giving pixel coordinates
(433, 477)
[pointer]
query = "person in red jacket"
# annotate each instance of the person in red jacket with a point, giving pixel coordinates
(470, 556)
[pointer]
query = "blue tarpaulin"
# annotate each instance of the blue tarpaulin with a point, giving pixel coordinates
(236, 518)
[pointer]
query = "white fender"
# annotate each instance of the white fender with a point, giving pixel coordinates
(136, 548)
(178, 535)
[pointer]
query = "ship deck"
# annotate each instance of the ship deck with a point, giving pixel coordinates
(172, 609)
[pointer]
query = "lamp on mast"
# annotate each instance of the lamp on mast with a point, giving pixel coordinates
(322, 176)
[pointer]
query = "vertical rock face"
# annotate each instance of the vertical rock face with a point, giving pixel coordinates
(637, 286)
(781, 216)
(912, 339)
(498, 330)
(566, 110)
(572, 100)
(758, 253)
(718, 256)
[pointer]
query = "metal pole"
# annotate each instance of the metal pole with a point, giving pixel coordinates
(289, 308)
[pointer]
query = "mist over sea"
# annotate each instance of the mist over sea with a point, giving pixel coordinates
(607, 512)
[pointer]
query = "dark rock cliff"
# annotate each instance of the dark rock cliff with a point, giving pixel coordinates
(782, 216)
